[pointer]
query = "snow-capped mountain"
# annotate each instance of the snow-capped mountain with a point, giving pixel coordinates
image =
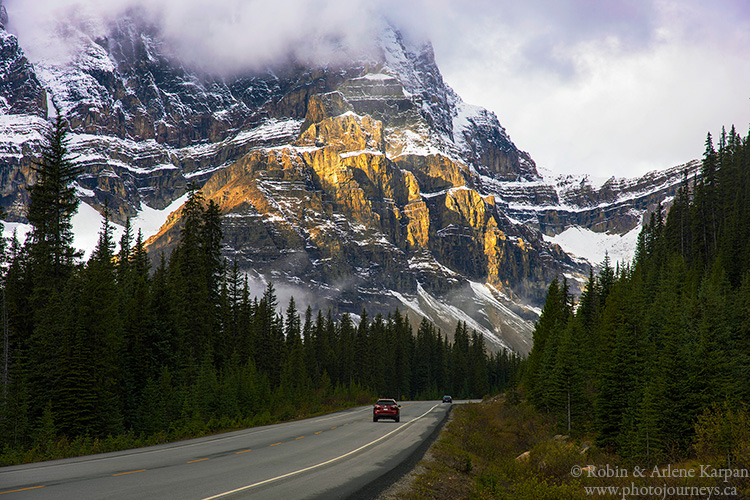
(362, 185)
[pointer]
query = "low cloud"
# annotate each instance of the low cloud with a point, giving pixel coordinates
(219, 36)
(234, 35)
(600, 86)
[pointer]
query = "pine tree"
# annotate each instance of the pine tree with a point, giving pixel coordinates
(269, 336)
(363, 351)
(547, 331)
(345, 335)
(606, 280)
(565, 393)
(50, 268)
(123, 258)
(460, 361)
(479, 386)
(422, 363)
(101, 326)
(211, 243)
(51, 208)
(402, 355)
(140, 341)
(17, 287)
(194, 278)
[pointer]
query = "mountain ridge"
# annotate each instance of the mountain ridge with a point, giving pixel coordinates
(369, 185)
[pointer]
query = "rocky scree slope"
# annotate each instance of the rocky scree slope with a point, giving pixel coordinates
(367, 185)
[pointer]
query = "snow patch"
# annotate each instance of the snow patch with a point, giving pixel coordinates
(415, 144)
(149, 220)
(446, 312)
(453, 312)
(81, 191)
(87, 223)
(22, 230)
(378, 76)
(373, 152)
(592, 246)
(462, 120)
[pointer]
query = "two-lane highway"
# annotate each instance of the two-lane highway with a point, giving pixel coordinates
(331, 456)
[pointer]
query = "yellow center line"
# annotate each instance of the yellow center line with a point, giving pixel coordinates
(318, 432)
(199, 460)
(301, 437)
(275, 444)
(333, 428)
(22, 489)
(129, 472)
(243, 451)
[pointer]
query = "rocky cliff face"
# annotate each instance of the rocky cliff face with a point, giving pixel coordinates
(370, 184)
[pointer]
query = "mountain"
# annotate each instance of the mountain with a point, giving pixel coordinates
(369, 184)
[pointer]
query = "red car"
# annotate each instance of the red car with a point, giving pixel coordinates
(386, 408)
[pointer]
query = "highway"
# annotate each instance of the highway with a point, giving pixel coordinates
(332, 456)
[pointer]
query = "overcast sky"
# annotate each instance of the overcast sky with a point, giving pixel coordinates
(603, 87)
(585, 86)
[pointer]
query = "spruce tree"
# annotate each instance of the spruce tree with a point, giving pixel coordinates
(101, 322)
(50, 266)
(478, 367)
(52, 205)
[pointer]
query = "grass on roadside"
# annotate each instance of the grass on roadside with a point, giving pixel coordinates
(499, 450)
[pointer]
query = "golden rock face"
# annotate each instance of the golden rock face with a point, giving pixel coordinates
(338, 204)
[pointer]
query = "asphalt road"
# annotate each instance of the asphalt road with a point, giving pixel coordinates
(333, 456)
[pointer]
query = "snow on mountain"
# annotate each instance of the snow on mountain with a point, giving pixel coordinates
(592, 246)
(87, 224)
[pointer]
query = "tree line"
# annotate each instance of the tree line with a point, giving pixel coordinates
(656, 348)
(115, 345)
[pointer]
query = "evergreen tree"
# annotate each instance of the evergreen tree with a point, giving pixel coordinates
(565, 395)
(50, 268)
(479, 385)
(51, 208)
(269, 336)
(363, 362)
(546, 336)
(460, 361)
(101, 328)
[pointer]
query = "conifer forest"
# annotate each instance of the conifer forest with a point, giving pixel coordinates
(654, 359)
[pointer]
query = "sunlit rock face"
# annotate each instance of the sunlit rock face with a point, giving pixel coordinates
(369, 184)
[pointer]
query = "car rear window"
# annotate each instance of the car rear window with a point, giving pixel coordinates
(383, 402)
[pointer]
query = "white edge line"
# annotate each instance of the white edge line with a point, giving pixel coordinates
(226, 493)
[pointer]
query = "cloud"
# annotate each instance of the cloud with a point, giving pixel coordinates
(540, 36)
(607, 86)
(535, 37)
(603, 87)
(255, 33)
(221, 35)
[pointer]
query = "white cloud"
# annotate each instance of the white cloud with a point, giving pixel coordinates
(608, 101)
(221, 35)
(605, 87)
(632, 113)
